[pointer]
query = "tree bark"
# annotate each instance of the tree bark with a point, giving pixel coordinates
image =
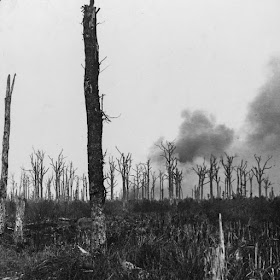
(5, 154)
(95, 127)
(20, 209)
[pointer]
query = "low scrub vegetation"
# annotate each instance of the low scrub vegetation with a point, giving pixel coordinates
(166, 241)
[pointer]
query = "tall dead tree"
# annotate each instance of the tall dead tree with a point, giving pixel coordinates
(259, 171)
(111, 176)
(228, 170)
(213, 173)
(242, 178)
(168, 150)
(58, 167)
(24, 183)
(251, 177)
(202, 172)
(84, 190)
(95, 115)
(77, 190)
(162, 177)
(137, 179)
(217, 179)
(154, 179)
(143, 185)
(68, 176)
(38, 171)
(124, 166)
(48, 188)
(178, 178)
(5, 153)
(147, 172)
(267, 184)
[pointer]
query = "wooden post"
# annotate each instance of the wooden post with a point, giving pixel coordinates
(5, 154)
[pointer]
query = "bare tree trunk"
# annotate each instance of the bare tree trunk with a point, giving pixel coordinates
(95, 128)
(148, 170)
(58, 167)
(5, 154)
(259, 171)
(124, 164)
(111, 176)
(168, 150)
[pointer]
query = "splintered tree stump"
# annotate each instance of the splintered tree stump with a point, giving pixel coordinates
(84, 226)
(20, 209)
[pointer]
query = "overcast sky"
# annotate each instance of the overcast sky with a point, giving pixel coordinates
(163, 58)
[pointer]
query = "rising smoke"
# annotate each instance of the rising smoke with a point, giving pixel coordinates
(198, 136)
(263, 118)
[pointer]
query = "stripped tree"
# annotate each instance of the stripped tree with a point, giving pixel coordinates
(124, 166)
(95, 116)
(84, 190)
(242, 178)
(137, 180)
(178, 178)
(111, 176)
(38, 171)
(228, 170)
(147, 172)
(68, 177)
(48, 188)
(259, 171)
(58, 166)
(5, 153)
(168, 150)
(143, 185)
(77, 190)
(202, 172)
(251, 177)
(162, 176)
(213, 173)
(24, 183)
(154, 179)
(267, 184)
(217, 179)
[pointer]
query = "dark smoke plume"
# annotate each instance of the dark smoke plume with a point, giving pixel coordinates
(199, 136)
(263, 119)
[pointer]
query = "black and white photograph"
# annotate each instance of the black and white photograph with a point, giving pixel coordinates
(140, 139)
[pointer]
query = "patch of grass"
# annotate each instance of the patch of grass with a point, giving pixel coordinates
(168, 242)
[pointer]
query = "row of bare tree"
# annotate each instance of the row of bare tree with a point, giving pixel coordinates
(228, 178)
(210, 174)
(140, 182)
(62, 184)
(224, 178)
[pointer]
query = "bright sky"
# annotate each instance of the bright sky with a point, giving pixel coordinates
(162, 57)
